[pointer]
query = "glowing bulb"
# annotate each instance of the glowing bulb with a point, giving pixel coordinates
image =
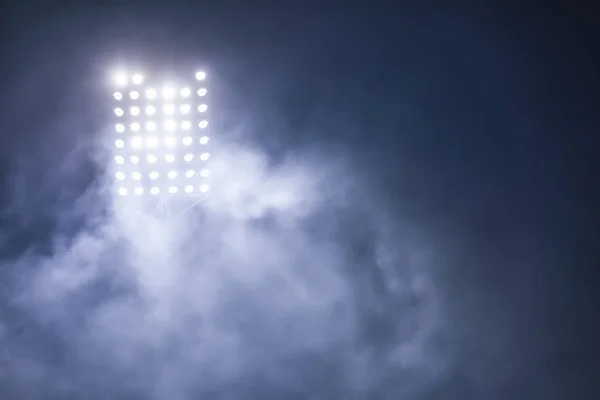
(120, 127)
(204, 156)
(135, 127)
(204, 140)
(121, 79)
(202, 108)
(204, 188)
(169, 158)
(120, 176)
(138, 191)
(204, 173)
(153, 175)
(150, 110)
(136, 142)
(119, 160)
(203, 124)
(135, 111)
(200, 75)
(202, 92)
(189, 173)
(151, 94)
(119, 112)
(134, 94)
(119, 143)
(136, 176)
(184, 108)
(151, 126)
(188, 157)
(185, 92)
(151, 142)
(187, 141)
(170, 141)
(155, 190)
(134, 159)
(173, 189)
(189, 189)
(185, 125)
(151, 159)
(123, 191)
(137, 79)
(172, 174)
(118, 95)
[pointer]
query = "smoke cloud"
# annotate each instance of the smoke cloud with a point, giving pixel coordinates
(288, 280)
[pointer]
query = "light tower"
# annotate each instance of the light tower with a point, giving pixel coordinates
(161, 141)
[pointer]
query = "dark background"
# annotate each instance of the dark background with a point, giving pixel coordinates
(480, 123)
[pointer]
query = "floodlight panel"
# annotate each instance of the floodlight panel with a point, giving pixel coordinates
(162, 137)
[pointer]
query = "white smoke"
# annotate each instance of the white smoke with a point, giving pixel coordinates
(260, 289)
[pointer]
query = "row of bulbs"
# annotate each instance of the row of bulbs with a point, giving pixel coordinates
(121, 78)
(153, 141)
(167, 93)
(123, 191)
(169, 158)
(169, 125)
(136, 176)
(167, 109)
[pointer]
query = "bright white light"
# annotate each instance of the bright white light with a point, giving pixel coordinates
(135, 111)
(119, 160)
(153, 175)
(151, 159)
(185, 125)
(123, 191)
(168, 109)
(150, 110)
(203, 124)
(119, 143)
(134, 159)
(169, 158)
(170, 125)
(135, 127)
(119, 112)
(200, 75)
(202, 108)
(151, 94)
(120, 176)
(155, 190)
(138, 190)
(136, 176)
(204, 156)
(189, 189)
(151, 142)
(137, 79)
(187, 141)
(185, 92)
(202, 92)
(120, 127)
(173, 189)
(189, 173)
(170, 141)
(168, 92)
(151, 126)
(204, 188)
(118, 95)
(204, 173)
(172, 174)
(121, 78)
(136, 142)
(134, 94)
(188, 157)
(204, 140)
(184, 109)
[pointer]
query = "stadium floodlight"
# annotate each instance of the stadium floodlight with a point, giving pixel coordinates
(161, 136)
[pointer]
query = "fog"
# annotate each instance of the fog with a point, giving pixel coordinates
(290, 279)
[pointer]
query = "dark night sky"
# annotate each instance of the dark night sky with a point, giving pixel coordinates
(477, 125)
